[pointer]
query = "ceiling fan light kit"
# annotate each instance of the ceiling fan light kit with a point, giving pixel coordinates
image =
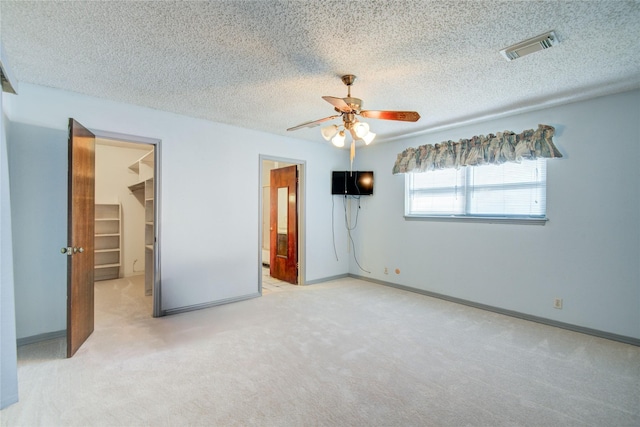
(361, 129)
(368, 138)
(338, 140)
(329, 131)
(349, 108)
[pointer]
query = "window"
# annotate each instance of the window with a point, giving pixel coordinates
(506, 191)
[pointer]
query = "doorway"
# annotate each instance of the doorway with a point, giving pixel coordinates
(293, 220)
(126, 228)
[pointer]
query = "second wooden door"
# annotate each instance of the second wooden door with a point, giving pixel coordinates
(284, 224)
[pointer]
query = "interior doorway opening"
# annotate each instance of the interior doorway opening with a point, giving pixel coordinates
(125, 226)
(281, 253)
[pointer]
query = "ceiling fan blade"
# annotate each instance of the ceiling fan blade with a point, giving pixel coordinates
(405, 116)
(338, 103)
(314, 123)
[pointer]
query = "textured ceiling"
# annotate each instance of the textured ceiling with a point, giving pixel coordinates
(265, 64)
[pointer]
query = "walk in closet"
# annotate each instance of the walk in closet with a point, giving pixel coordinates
(125, 212)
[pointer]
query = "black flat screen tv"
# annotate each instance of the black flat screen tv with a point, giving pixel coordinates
(352, 183)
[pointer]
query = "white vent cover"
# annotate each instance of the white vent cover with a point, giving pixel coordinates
(534, 44)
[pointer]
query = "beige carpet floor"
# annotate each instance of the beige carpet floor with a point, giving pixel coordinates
(342, 353)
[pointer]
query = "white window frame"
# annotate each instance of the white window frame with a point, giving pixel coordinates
(461, 189)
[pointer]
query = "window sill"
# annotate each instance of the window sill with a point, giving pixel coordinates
(478, 219)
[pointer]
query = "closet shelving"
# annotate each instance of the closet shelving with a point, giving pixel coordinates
(107, 241)
(144, 190)
(149, 235)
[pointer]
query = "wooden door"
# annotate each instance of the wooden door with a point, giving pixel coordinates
(80, 247)
(283, 247)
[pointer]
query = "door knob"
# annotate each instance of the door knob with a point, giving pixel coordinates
(70, 251)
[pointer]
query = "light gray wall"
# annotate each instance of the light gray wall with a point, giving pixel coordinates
(588, 253)
(209, 208)
(38, 171)
(8, 362)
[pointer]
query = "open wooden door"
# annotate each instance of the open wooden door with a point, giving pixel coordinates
(80, 304)
(284, 224)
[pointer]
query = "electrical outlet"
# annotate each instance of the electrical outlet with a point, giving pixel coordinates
(557, 303)
(386, 270)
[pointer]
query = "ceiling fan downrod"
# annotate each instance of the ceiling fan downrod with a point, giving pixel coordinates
(354, 103)
(348, 80)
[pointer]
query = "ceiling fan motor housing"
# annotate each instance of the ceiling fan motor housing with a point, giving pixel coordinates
(349, 120)
(354, 103)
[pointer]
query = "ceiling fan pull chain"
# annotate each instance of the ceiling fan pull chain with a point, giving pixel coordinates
(352, 155)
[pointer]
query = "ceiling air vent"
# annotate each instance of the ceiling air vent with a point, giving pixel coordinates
(534, 44)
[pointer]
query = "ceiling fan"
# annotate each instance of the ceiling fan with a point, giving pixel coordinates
(349, 108)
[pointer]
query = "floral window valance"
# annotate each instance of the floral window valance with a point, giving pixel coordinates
(479, 150)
